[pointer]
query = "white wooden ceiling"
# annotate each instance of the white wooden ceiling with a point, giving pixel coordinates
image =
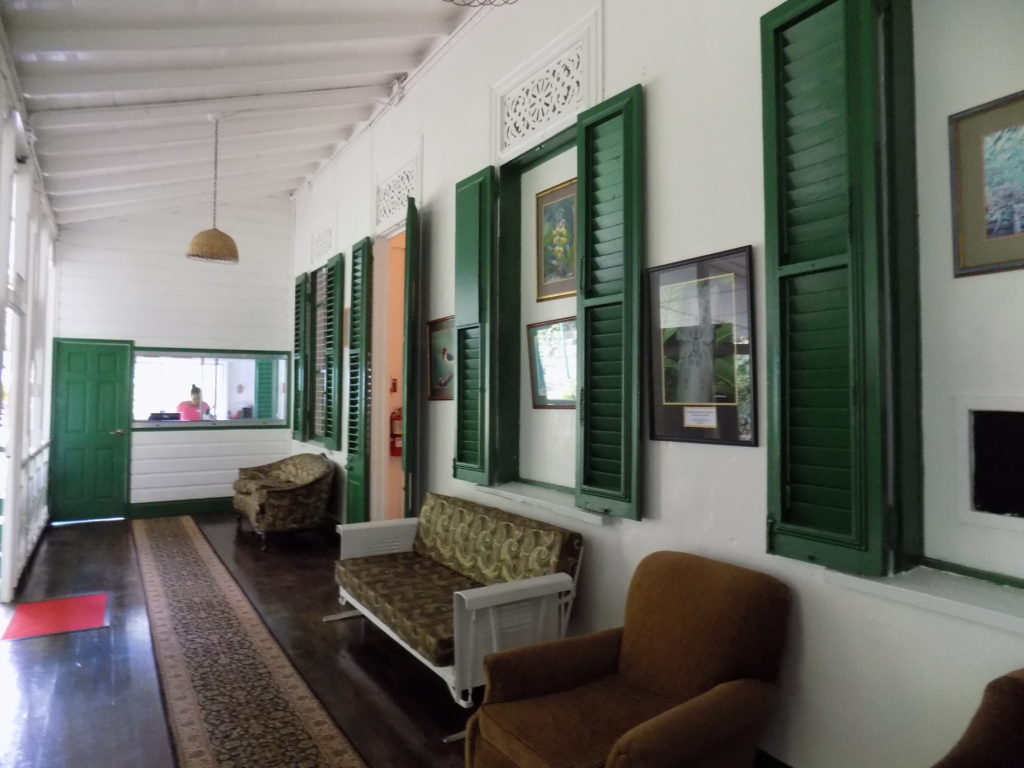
(120, 93)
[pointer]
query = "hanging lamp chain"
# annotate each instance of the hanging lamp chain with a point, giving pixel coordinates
(216, 143)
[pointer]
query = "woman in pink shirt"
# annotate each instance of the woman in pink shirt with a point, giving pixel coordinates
(194, 409)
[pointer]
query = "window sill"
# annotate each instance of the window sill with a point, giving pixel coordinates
(157, 426)
(550, 500)
(963, 597)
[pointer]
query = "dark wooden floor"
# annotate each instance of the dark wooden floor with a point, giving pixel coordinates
(93, 699)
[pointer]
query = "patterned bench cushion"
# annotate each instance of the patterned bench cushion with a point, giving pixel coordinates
(411, 594)
(491, 546)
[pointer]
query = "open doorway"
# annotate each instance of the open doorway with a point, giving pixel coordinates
(387, 478)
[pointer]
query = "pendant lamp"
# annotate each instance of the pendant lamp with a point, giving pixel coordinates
(212, 244)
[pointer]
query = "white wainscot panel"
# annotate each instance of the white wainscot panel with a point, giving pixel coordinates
(199, 464)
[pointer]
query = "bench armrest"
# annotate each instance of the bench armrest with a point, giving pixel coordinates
(514, 591)
(380, 537)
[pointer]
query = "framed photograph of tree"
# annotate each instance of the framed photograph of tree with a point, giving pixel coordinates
(556, 241)
(701, 349)
(987, 159)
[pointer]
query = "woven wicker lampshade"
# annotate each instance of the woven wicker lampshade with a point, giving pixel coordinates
(212, 244)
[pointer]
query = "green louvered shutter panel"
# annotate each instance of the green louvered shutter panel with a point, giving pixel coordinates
(610, 157)
(474, 251)
(300, 347)
(327, 301)
(266, 389)
(357, 434)
(412, 392)
(826, 459)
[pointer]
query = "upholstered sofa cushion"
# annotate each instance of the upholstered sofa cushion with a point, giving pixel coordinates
(410, 593)
(490, 546)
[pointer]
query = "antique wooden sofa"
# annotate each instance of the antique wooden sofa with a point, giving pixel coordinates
(458, 582)
(286, 495)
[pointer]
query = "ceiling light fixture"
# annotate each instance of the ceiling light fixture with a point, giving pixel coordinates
(212, 244)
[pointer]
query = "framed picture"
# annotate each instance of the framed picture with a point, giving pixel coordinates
(441, 365)
(987, 159)
(556, 241)
(551, 346)
(701, 349)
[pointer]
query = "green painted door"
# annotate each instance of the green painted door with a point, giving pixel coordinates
(91, 430)
(357, 436)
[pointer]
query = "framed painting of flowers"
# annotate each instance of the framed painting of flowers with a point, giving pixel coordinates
(556, 241)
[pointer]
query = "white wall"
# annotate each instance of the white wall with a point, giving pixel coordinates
(869, 680)
(971, 326)
(128, 278)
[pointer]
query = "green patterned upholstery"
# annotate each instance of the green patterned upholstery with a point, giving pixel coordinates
(409, 593)
(285, 495)
(491, 546)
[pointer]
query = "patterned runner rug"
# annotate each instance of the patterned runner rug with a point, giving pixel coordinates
(233, 698)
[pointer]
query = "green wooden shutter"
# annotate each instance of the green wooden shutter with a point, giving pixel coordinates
(826, 451)
(265, 400)
(300, 348)
(474, 251)
(610, 152)
(328, 288)
(357, 440)
(411, 385)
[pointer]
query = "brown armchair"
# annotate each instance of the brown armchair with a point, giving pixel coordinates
(687, 681)
(285, 495)
(995, 736)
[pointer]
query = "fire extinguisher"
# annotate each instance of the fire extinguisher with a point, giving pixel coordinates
(396, 432)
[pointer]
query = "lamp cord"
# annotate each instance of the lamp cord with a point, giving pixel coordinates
(216, 132)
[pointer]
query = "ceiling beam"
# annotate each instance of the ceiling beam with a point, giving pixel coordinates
(178, 191)
(122, 82)
(149, 206)
(200, 131)
(298, 163)
(31, 44)
(58, 165)
(77, 119)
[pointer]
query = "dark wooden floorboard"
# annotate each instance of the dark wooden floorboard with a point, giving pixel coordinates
(92, 698)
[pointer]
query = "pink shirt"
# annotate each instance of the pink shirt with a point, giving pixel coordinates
(191, 412)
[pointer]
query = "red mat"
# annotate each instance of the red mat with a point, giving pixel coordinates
(50, 617)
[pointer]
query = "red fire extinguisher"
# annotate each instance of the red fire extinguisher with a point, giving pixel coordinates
(396, 432)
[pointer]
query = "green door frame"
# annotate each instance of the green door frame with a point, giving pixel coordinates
(90, 430)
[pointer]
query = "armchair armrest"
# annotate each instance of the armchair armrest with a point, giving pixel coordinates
(728, 717)
(380, 537)
(535, 670)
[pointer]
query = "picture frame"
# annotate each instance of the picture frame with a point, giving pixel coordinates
(987, 175)
(700, 350)
(441, 358)
(556, 241)
(551, 346)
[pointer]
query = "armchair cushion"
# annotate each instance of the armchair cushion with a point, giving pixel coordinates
(411, 594)
(532, 732)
